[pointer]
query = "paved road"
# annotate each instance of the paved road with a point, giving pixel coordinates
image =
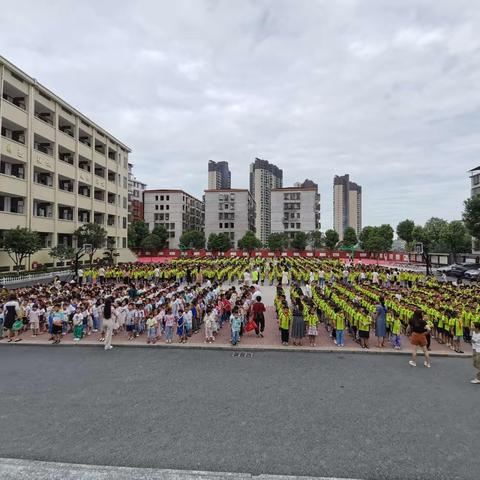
(278, 413)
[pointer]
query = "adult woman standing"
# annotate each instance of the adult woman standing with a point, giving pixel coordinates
(109, 316)
(418, 328)
(11, 311)
(298, 323)
(381, 322)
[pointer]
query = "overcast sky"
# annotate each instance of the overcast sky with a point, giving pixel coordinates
(386, 90)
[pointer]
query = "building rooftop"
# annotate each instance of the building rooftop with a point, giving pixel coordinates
(171, 190)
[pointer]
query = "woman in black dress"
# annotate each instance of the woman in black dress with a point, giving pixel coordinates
(11, 310)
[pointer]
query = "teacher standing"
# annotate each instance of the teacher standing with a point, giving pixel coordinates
(381, 322)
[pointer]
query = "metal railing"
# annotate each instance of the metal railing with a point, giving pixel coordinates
(13, 279)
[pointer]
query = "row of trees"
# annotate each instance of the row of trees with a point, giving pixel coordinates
(436, 235)
(20, 243)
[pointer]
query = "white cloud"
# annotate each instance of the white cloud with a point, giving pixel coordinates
(386, 91)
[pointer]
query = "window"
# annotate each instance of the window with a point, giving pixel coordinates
(156, 198)
(167, 207)
(167, 198)
(171, 234)
(124, 202)
(124, 222)
(232, 225)
(124, 242)
(161, 198)
(220, 225)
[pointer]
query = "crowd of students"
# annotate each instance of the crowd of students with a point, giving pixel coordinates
(175, 299)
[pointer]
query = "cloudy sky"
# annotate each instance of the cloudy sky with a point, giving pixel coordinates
(386, 90)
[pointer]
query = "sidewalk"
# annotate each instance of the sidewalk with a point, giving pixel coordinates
(249, 341)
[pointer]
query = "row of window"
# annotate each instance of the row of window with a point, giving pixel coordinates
(229, 225)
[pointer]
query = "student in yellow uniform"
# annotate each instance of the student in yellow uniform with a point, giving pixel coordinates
(364, 323)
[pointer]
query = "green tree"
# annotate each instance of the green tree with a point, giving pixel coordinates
(434, 228)
(91, 234)
(299, 241)
(277, 242)
(152, 242)
(66, 253)
(137, 231)
(423, 236)
(385, 231)
(161, 232)
(376, 239)
(249, 242)
(471, 216)
(110, 254)
(20, 243)
(349, 237)
(316, 239)
(456, 238)
(193, 239)
(331, 239)
(405, 231)
(219, 243)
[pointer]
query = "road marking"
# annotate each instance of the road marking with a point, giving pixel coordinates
(15, 469)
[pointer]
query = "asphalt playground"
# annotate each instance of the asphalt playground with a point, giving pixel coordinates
(280, 413)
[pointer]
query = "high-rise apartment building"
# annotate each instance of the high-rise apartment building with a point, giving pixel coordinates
(219, 176)
(229, 211)
(295, 209)
(475, 190)
(347, 205)
(264, 176)
(135, 196)
(176, 210)
(58, 169)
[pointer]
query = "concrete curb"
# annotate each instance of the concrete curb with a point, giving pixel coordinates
(15, 469)
(246, 348)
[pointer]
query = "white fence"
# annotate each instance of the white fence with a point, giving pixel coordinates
(13, 279)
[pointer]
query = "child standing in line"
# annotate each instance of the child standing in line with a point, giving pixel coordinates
(130, 321)
(181, 330)
(312, 331)
(78, 324)
(209, 321)
(396, 328)
(475, 339)
(169, 324)
(188, 317)
(235, 323)
(34, 320)
(457, 333)
(151, 328)
(340, 329)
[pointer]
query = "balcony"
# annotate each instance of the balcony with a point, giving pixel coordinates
(42, 177)
(42, 209)
(99, 218)
(83, 216)
(13, 131)
(66, 184)
(43, 145)
(14, 96)
(65, 213)
(12, 204)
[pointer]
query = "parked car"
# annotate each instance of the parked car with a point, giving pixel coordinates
(473, 273)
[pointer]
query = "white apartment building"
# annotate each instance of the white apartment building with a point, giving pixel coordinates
(347, 205)
(264, 176)
(58, 169)
(176, 210)
(135, 196)
(295, 209)
(229, 211)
